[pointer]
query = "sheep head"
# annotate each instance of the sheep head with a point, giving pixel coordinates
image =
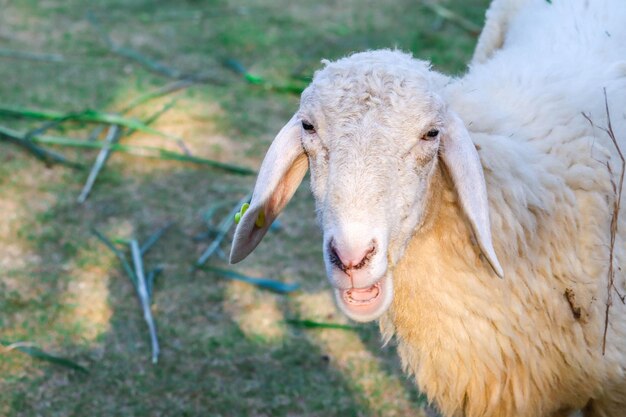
(373, 130)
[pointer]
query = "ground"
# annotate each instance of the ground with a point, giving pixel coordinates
(226, 348)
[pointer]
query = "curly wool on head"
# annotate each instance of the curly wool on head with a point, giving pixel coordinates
(429, 187)
(381, 81)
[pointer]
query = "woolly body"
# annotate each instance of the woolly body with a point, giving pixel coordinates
(483, 347)
(404, 217)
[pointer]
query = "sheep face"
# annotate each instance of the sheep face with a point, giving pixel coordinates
(372, 153)
(371, 127)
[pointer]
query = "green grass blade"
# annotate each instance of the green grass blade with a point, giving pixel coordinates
(155, 116)
(238, 67)
(265, 283)
(148, 152)
(150, 280)
(93, 116)
(311, 324)
(154, 238)
(87, 116)
(141, 151)
(30, 113)
(31, 56)
(45, 155)
(173, 156)
(129, 271)
(43, 128)
(40, 354)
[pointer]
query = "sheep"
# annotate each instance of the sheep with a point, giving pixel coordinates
(493, 33)
(471, 216)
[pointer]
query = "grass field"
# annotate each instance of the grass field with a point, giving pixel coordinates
(227, 349)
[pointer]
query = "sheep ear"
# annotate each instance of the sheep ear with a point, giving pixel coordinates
(462, 161)
(281, 172)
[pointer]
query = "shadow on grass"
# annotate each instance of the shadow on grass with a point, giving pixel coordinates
(209, 365)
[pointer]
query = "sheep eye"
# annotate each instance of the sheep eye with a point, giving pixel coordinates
(308, 127)
(432, 133)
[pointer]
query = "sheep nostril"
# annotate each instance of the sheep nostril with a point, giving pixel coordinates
(351, 259)
(334, 256)
(367, 256)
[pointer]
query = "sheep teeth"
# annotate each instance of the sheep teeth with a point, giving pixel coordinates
(355, 295)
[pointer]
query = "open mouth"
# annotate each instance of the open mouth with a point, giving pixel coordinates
(366, 304)
(362, 296)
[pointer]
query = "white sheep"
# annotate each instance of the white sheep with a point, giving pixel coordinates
(412, 170)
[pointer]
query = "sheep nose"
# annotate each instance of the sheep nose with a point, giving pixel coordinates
(351, 258)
